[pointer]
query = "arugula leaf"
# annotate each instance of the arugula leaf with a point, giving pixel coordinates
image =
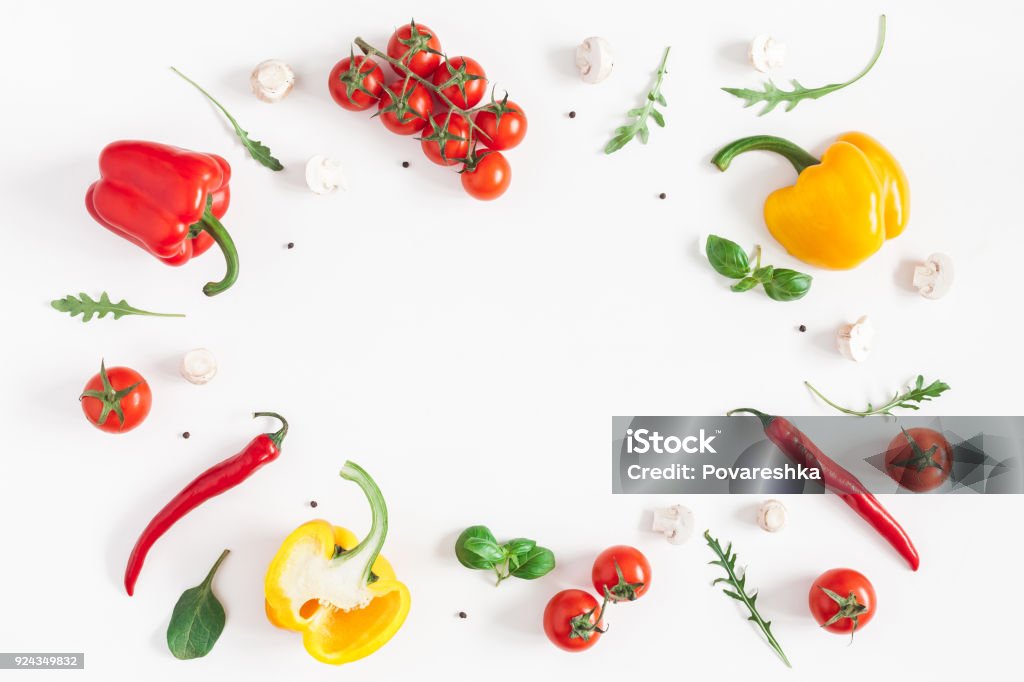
(737, 589)
(198, 619)
(918, 393)
(87, 307)
(257, 149)
(772, 95)
(638, 128)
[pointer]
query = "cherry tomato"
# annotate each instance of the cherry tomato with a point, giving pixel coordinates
(462, 80)
(624, 571)
(416, 46)
(489, 178)
(919, 459)
(503, 125)
(407, 112)
(842, 600)
(451, 130)
(572, 620)
(356, 83)
(116, 400)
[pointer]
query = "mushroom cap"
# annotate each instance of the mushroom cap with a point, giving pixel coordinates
(324, 175)
(272, 80)
(198, 366)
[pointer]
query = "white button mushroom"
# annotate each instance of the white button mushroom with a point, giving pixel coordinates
(934, 277)
(771, 515)
(594, 59)
(675, 522)
(766, 54)
(198, 366)
(324, 175)
(855, 340)
(272, 80)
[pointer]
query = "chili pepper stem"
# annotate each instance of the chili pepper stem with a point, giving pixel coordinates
(219, 233)
(766, 419)
(797, 156)
(277, 436)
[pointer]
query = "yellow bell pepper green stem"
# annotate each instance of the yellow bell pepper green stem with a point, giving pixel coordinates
(339, 593)
(842, 207)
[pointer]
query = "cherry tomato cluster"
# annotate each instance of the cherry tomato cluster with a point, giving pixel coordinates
(574, 621)
(440, 99)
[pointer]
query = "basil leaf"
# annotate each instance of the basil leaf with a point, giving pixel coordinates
(745, 284)
(488, 550)
(538, 562)
(197, 620)
(727, 257)
(519, 546)
(788, 285)
(470, 557)
(764, 274)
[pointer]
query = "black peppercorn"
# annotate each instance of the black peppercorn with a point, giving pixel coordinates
(662, 195)
(462, 614)
(405, 164)
(186, 435)
(291, 245)
(312, 504)
(803, 327)
(572, 114)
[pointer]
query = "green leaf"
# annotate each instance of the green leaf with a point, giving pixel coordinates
(727, 560)
(468, 544)
(787, 285)
(772, 95)
(487, 550)
(917, 393)
(745, 284)
(197, 620)
(538, 562)
(519, 546)
(257, 149)
(762, 275)
(638, 128)
(727, 257)
(87, 307)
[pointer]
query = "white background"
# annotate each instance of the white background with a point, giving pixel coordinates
(471, 355)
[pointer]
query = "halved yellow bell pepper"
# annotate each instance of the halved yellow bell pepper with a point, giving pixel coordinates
(339, 593)
(842, 208)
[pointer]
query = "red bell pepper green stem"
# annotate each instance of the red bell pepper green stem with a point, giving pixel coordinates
(768, 143)
(219, 478)
(798, 447)
(216, 230)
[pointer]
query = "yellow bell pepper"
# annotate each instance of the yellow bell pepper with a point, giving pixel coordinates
(339, 593)
(842, 208)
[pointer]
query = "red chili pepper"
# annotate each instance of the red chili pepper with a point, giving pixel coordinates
(838, 480)
(166, 200)
(217, 479)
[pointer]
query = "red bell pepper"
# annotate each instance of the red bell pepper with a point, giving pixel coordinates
(167, 200)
